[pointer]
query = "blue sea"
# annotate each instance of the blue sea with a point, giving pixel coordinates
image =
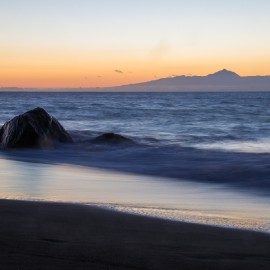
(196, 157)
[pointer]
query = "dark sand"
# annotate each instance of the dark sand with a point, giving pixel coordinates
(64, 236)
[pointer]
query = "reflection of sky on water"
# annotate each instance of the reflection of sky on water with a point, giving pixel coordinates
(22, 178)
(180, 200)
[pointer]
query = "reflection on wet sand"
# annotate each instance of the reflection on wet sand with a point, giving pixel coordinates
(160, 197)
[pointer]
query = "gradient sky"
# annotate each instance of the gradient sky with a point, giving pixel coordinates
(88, 43)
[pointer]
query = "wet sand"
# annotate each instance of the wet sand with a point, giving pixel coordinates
(39, 235)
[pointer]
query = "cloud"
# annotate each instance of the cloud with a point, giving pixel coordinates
(118, 71)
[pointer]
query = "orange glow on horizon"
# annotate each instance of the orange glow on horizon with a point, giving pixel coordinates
(74, 71)
(89, 44)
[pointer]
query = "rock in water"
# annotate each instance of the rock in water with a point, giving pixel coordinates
(33, 129)
(111, 138)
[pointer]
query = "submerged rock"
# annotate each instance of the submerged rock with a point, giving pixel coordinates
(33, 129)
(111, 138)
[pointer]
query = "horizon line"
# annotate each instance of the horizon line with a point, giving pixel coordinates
(126, 85)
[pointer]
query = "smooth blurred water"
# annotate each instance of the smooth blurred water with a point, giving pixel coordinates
(144, 195)
(183, 118)
(205, 137)
(202, 157)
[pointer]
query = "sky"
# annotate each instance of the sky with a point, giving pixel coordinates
(96, 43)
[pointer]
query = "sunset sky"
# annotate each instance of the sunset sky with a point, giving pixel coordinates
(89, 43)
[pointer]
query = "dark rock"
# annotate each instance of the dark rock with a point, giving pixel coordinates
(111, 138)
(33, 129)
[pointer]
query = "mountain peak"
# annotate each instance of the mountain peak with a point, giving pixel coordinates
(224, 73)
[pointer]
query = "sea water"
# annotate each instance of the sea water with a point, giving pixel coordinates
(197, 157)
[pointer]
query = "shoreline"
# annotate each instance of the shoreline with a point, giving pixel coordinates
(183, 201)
(56, 235)
(129, 210)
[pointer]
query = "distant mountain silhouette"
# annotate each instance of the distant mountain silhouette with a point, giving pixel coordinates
(223, 80)
(224, 73)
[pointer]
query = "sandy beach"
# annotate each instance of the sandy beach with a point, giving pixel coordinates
(40, 235)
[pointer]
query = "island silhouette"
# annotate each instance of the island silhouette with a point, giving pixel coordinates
(221, 81)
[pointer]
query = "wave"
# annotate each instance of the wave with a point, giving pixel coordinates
(247, 170)
(227, 143)
(259, 146)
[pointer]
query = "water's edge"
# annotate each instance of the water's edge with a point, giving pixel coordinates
(150, 196)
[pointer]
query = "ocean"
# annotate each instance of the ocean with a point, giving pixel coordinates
(196, 157)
